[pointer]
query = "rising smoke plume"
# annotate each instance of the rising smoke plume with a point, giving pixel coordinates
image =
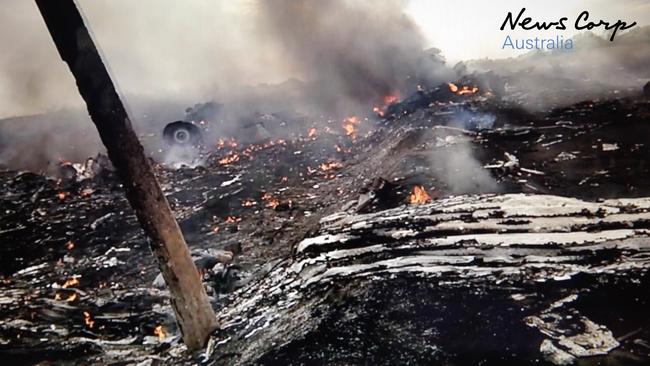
(347, 54)
(356, 51)
(340, 56)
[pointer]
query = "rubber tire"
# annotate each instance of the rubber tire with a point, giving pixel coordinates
(181, 133)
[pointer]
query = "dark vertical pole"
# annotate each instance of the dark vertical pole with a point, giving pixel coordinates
(194, 313)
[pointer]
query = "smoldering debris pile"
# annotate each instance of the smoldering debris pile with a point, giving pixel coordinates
(434, 232)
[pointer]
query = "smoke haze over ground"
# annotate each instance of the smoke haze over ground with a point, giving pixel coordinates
(340, 57)
(196, 51)
(172, 54)
(593, 67)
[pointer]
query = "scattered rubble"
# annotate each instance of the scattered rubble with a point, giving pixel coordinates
(311, 250)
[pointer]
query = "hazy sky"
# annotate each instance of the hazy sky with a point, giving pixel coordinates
(190, 46)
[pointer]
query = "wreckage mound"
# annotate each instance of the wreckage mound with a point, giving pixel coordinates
(471, 279)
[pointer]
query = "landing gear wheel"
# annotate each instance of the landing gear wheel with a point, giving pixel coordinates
(182, 133)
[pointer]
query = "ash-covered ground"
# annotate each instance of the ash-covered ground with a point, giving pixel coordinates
(355, 240)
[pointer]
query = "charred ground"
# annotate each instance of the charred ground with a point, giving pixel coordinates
(79, 283)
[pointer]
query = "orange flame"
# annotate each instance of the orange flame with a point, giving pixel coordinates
(88, 320)
(387, 101)
(248, 203)
(271, 202)
(232, 219)
(390, 99)
(464, 90)
(311, 133)
(71, 282)
(468, 90)
(419, 196)
(349, 125)
(159, 331)
(62, 195)
(69, 245)
(221, 143)
(331, 165)
(70, 298)
(229, 159)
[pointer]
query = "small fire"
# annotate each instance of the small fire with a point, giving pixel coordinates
(464, 90)
(331, 165)
(159, 331)
(271, 202)
(249, 150)
(71, 282)
(232, 219)
(248, 203)
(390, 99)
(88, 320)
(62, 195)
(221, 143)
(419, 196)
(387, 101)
(69, 298)
(341, 149)
(229, 159)
(349, 125)
(468, 90)
(69, 245)
(311, 133)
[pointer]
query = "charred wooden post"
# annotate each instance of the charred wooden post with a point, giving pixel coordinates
(194, 313)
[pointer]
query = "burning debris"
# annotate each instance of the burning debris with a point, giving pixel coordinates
(388, 100)
(159, 332)
(438, 211)
(463, 90)
(350, 126)
(229, 159)
(88, 320)
(254, 207)
(419, 196)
